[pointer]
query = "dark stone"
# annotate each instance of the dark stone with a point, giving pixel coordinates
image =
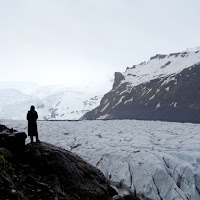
(53, 182)
(73, 174)
(6, 153)
(118, 78)
(166, 64)
(112, 191)
(12, 140)
(117, 197)
(131, 197)
(2, 128)
(175, 54)
(158, 56)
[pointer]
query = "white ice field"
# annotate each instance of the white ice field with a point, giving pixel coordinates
(160, 160)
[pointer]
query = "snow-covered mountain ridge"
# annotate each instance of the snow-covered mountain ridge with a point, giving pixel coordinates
(164, 88)
(160, 66)
(52, 103)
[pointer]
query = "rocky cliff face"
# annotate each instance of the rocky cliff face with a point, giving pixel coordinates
(44, 171)
(165, 88)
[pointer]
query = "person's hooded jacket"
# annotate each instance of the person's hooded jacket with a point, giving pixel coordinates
(32, 124)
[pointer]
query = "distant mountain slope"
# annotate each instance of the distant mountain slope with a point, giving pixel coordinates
(67, 105)
(167, 87)
(51, 103)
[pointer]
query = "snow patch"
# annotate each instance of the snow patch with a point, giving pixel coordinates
(149, 90)
(170, 78)
(174, 104)
(127, 90)
(105, 107)
(152, 97)
(104, 116)
(144, 92)
(157, 106)
(167, 89)
(158, 90)
(118, 102)
(194, 49)
(129, 100)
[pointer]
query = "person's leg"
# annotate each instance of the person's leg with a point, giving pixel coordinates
(37, 140)
(31, 139)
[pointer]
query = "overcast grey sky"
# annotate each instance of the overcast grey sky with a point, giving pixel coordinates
(76, 42)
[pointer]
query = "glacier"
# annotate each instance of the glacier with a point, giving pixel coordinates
(52, 102)
(157, 160)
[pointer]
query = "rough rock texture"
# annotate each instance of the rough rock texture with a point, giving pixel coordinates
(127, 197)
(11, 139)
(130, 197)
(118, 78)
(171, 98)
(44, 171)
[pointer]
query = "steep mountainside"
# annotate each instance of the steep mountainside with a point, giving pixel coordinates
(165, 88)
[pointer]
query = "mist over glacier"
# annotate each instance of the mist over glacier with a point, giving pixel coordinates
(52, 102)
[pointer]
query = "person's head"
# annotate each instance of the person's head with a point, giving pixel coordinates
(32, 108)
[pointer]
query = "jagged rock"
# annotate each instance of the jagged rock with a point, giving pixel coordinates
(2, 128)
(159, 56)
(117, 197)
(73, 174)
(12, 140)
(118, 78)
(130, 197)
(112, 191)
(6, 153)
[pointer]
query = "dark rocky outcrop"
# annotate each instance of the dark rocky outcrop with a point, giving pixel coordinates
(126, 197)
(118, 78)
(170, 98)
(117, 197)
(43, 171)
(12, 139)
(130, 197)
(159, 56)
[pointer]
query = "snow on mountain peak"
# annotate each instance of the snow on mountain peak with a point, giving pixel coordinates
(193, 49)
(161, 66)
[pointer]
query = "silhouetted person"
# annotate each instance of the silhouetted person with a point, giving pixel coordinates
(32, 123)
